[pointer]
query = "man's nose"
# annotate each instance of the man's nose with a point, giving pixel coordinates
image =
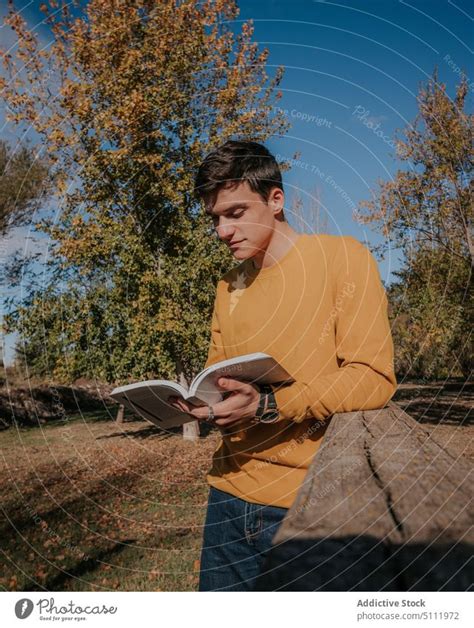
(225, 230)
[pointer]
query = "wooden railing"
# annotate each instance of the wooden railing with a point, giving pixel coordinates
(383, 508)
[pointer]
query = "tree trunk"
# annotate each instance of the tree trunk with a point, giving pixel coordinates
(120, 414)
(383, 507)
(190, 429)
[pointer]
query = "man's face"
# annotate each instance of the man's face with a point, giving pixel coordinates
(243, 220)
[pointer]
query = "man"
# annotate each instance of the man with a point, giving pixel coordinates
(316, 304)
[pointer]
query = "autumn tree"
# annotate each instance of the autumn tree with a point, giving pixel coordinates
(127, 100)
(426, 210)
(23, 185)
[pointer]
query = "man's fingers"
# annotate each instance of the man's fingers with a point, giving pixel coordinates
(224, 408)
(227, 383)
(202, 414)
(180, 404)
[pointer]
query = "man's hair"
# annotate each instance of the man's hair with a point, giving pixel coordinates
(235, 162)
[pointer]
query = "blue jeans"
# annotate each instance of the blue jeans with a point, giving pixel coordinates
(236, 540)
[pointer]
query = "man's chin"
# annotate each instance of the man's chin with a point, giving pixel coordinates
(243, 251)
(242, 254)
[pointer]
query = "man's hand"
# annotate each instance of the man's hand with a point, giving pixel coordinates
(239, 407)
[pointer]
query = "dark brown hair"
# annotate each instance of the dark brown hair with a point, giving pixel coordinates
(234, 162)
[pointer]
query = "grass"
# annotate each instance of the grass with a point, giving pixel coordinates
(88, 504)
(91, 505)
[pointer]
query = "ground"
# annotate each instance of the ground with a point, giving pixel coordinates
(92, 505)
(88, 504)
(445, 410)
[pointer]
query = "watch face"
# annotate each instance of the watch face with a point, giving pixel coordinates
(270, 417)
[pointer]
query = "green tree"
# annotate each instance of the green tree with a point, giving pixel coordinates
(427, 212)
(128, 99)
(23, 185)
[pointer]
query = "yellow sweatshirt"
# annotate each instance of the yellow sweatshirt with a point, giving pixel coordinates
(321, 311)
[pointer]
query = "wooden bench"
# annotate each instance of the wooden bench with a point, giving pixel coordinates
(383, 508)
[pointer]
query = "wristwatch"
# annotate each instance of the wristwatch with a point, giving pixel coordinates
(267, 411)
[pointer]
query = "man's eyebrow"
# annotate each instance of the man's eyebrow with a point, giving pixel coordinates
(238, 205)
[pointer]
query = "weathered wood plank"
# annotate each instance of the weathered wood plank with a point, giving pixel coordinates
(383, 507)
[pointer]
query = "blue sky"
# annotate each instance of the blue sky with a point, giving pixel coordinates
(352, 72)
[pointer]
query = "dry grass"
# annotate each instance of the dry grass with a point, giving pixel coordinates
(90, 505)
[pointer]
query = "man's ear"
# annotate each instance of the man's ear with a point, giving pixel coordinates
(276, 201)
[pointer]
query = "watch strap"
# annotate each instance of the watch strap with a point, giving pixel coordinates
(262, 402)
(267, 410)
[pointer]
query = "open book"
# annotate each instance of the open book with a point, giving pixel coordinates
(150, 399)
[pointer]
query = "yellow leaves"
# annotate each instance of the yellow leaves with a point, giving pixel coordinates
(61, 186)
(56, 137)
(19, 100)
(132, 96)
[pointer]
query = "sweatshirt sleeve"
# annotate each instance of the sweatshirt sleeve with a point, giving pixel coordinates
(365, 378)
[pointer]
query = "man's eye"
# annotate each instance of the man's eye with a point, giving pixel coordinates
(215, 219)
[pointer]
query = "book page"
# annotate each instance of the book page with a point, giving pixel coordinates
(150, 401)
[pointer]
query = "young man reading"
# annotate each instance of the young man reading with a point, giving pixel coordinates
(317, 305)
